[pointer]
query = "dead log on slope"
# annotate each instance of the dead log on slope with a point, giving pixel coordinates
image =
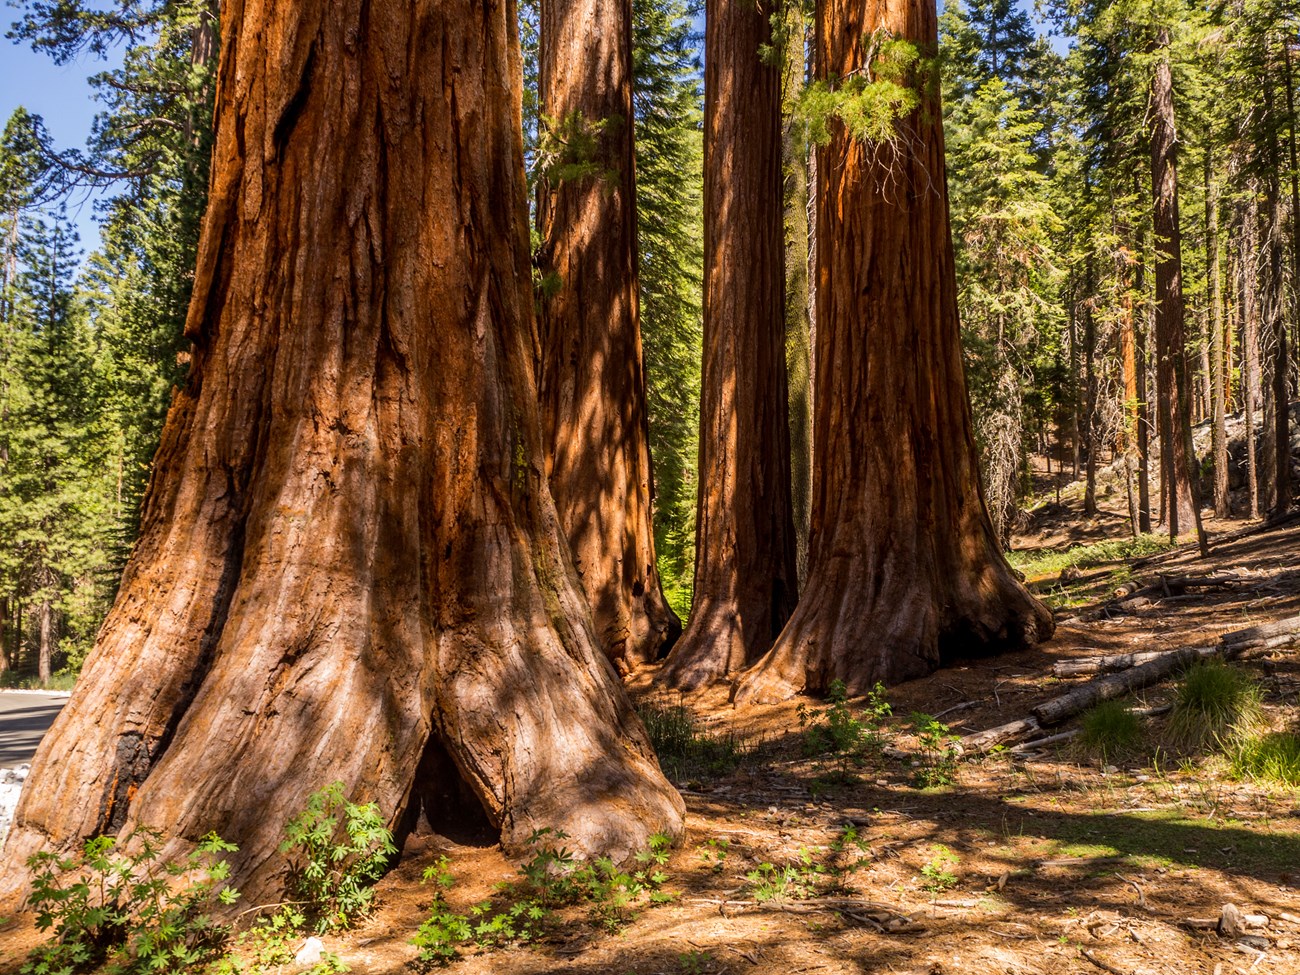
(1117, 685)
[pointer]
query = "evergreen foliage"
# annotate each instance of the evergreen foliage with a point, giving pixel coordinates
(667, 96)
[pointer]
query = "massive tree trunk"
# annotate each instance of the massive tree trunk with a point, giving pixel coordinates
(904, 566)
(745, 575)
(349, 559)
(590, 371)
(1173, 391)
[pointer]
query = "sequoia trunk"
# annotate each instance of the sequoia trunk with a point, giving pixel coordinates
(349, 558)
(904, 567)
(745, 574)
(1173, 391)
(590, 367)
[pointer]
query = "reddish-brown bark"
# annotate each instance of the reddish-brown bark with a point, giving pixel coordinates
(349, 558)
(1173, 391)
(904, 566)
(745, 574)
(590, 373)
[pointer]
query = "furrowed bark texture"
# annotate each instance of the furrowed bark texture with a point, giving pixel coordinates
(904, 566)
(349, 558)
(591, 372)
(745, 573)
(1173, 391)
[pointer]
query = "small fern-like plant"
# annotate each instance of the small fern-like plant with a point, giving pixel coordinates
(129, 907)
(332, 870)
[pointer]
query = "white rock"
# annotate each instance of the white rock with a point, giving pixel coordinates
(309, 953)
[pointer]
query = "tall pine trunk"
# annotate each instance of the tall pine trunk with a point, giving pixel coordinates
(1173, 390)
(350, 567)
(45, 650)
(1250, 358)
(591, 373)
(1141, 331)
(904, 566)
(798, 295)
(1276, 463)
(1218, 372)
(745, 575)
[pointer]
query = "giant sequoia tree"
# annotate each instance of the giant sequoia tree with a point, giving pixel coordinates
(745, 575)
(904, 567)
(591, 375)
(350, 566)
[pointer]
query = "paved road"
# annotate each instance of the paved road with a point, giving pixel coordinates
(24, 719)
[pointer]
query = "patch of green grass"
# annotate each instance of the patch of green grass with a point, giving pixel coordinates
(62, 681)
(1170, 837)
(1269, 758)
(1217, 705)
(686, 749)
(1111, 732)
(1038, 563)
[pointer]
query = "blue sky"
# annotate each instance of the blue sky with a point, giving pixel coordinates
(61, 95)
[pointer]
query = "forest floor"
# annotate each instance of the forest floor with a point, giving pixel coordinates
(1049, 862)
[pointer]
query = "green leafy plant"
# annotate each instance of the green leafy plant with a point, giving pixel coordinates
(714, 853)
(552, 877)
(937, 876)
(847, 854)
(938, 752)
(270, 943)
(130, 908)
(1217, 705)
(695, 962)
(332, 874)
(845, 736)
(1110, 731)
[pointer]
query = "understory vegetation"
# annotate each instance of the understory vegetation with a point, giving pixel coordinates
(121, 903)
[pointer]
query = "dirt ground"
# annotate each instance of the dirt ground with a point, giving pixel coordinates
(1062, 864)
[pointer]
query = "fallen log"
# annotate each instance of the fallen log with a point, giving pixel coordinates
(1276, 633)
(1266, 636)
(1134, 671)
(1117, 685)
(1103, 665)
(980, 742)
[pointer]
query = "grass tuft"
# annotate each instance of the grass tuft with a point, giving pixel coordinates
(1111, 732)
(686, 749)
(1271, 758)
(1217, 706)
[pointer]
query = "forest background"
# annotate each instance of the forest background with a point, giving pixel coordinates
(1048, 125)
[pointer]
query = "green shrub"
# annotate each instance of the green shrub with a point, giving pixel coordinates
(129, 908)
(1217, 705)
(1110, 731)
(937, 876)
(938, 754)
(1271, 758)
(333, 875)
